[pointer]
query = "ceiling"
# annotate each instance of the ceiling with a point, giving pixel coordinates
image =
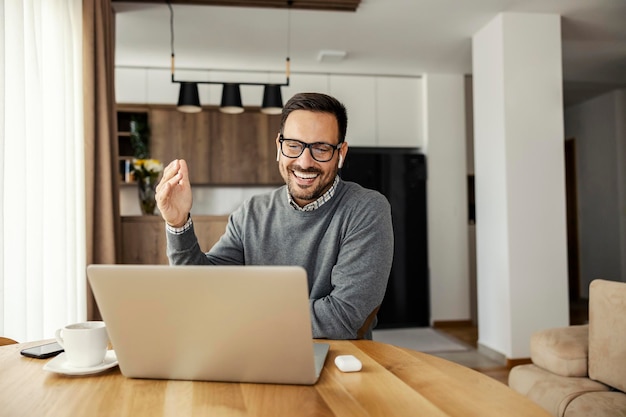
(382, 37)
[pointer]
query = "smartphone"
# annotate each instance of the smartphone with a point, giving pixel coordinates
(43, 351)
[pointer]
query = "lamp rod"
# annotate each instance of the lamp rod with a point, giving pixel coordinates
(285, 84)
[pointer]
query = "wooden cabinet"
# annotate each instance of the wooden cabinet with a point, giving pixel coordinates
(144, 242)
(177, 135)
(221, 149)
(243, 149)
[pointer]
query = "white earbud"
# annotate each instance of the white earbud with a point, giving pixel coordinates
(277, 155)
(340, 161)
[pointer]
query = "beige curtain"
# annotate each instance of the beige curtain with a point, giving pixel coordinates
(101, 178)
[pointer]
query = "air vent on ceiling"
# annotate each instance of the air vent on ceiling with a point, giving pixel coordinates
(327, 55)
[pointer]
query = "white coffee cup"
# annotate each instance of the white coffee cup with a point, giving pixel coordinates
(85, 343)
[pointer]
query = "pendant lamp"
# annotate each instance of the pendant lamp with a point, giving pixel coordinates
(231, 99)
(188, 98)
(272, 100)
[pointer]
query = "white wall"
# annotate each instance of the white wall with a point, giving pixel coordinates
(599, 129)
(444, 100)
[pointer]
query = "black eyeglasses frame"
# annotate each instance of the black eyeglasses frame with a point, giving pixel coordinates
(305, 145)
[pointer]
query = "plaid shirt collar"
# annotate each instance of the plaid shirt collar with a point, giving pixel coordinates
(317, 203)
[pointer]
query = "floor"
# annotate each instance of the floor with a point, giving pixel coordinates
(579, 314)
(473, 358)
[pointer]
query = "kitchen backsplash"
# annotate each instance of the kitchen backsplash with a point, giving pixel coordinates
(207, 200)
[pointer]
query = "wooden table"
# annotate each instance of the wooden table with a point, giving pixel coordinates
(393, 382)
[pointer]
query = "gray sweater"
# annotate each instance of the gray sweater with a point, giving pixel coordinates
(346, 247)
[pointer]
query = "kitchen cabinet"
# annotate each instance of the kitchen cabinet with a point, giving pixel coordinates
(399, 112)
(130, 85)
(305, 83)
(177, 135)
(358, 94)
(383, 110)
(144, 241)
(243, 149)
(221, 149)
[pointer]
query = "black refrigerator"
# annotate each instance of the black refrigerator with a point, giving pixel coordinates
(400, 175)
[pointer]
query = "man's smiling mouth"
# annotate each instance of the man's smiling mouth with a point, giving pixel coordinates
(305, 175)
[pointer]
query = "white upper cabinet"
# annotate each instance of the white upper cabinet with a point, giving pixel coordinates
(358, 94)
(161, 89)
(399, 112)
(303, 83)
(131, 85)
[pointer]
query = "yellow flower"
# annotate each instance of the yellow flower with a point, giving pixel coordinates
(147, 167)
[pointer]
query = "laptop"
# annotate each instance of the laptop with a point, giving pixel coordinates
(209, 323)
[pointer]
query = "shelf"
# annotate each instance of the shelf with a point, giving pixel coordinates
(125, 148)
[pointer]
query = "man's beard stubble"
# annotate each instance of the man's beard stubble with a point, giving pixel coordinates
(297, 192)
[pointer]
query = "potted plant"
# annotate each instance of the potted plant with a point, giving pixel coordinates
(145, 170)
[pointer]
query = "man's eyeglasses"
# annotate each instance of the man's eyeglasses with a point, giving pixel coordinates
(320, 151)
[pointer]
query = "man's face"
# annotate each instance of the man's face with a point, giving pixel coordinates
(306, 178)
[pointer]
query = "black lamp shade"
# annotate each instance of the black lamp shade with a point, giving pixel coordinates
(272, 100)
(231, 99)
(188, 99)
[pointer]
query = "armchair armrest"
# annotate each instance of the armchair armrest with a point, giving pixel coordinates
(563, 351)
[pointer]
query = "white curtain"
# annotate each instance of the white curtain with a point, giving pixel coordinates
(42, 194)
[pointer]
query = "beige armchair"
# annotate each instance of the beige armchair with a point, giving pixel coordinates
(580, 371)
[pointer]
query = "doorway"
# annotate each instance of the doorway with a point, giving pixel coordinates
(571, 198)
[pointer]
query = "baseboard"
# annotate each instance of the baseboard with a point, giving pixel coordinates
(492, 354)
(452, 323)
(501, 358)
(510, 363)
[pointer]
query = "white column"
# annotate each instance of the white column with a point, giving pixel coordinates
(520, 181)
(444, 96)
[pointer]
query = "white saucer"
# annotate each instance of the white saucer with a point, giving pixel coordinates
(59, 365)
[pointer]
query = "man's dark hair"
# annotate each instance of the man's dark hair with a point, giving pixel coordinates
(317, 102)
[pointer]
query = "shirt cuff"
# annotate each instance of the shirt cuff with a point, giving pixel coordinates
(179, 230)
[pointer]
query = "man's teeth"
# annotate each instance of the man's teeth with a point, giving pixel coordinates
(305, 175)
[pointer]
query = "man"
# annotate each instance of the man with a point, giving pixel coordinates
(340, 232)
